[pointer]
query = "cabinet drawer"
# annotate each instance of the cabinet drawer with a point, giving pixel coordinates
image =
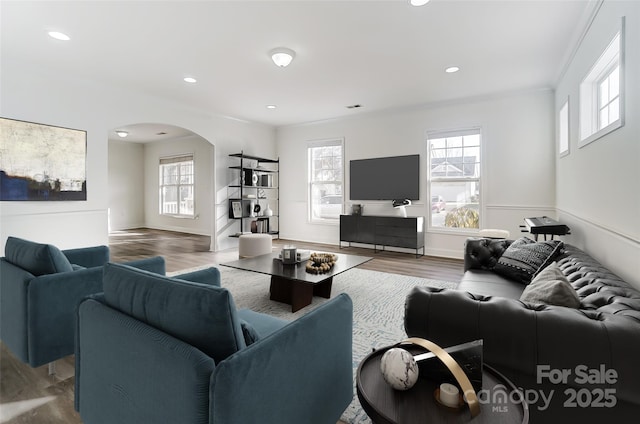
(389, 221)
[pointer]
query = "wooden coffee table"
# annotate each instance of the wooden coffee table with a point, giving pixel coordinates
(292, 284)
(417, 405)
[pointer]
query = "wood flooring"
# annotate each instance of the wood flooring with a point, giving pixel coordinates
(31, 396)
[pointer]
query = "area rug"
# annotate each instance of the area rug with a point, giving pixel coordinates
(378, 309)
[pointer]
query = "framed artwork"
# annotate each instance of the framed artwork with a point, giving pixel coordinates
(236, 209)
(41, 162)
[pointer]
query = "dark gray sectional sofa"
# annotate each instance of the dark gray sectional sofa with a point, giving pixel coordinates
(586, 358)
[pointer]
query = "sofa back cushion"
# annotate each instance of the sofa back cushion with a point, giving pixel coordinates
(551, 287)
(524, 258)
(36, 258)
(199, 314)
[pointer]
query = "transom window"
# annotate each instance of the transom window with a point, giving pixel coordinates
(602, 93)
(177, 177)
(326, 170)
(454, 178)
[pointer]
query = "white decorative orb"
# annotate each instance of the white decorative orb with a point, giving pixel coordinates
(399, 368)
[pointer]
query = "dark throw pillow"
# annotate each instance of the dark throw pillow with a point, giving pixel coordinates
(551, 287)
(524, 258)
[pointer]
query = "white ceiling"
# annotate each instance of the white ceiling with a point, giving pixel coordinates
(380, 54)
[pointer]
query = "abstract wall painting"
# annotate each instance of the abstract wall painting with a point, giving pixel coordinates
(41, 162)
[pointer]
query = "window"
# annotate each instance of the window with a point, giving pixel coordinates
(563, 129)
(325, 180)
(454, 178)
(602, 93)
(609, 98)
(177, 186)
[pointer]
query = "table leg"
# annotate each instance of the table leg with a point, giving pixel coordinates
(296, 293)
(323, 289)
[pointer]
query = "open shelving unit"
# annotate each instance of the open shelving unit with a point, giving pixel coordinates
(257, 183)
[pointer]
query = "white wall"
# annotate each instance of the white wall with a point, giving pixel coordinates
(126, 185)
(31, 94)
(598, 185)
(518, 161)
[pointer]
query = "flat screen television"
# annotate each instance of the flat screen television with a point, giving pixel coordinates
(388, 178)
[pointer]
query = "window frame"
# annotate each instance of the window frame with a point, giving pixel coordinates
(163, 162)
(613, 56)
(564, 130)
(463, 131)
(330, 142)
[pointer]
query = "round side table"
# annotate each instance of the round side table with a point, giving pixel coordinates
(500, 400)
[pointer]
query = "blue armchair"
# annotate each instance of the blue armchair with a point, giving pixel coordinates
(153, 349)
(40, 288)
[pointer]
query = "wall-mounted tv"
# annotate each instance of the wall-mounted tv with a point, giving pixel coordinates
(388, 178)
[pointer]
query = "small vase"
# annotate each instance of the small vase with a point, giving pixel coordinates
(268, 211)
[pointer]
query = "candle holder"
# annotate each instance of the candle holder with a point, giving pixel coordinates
(449, 396)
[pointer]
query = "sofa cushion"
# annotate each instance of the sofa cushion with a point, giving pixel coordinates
(202, 315)
(36, 258)
(524, 258)
(551, 287)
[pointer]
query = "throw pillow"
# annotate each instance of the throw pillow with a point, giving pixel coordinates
(250, 334)
(524, 258)
(37, 258)
(202, 315)
(551, 287)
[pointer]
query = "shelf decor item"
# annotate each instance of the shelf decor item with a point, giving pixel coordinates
(236, 209)
(268, 211)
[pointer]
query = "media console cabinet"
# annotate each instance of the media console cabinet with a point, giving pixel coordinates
(383, 231)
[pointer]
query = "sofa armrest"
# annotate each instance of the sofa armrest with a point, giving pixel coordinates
(303, 370)
(13, 308)
(483, 253)
(52, 301)
(209, 276)
(88, 257)
(130, 372)
(520, 337)
(155, 264)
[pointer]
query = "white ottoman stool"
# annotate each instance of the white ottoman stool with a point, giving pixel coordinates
(492, 233)
(257, 244)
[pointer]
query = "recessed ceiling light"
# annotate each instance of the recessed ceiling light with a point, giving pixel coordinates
(59, 36)
(418, 2)
(122, 134)
(271, 106)
(452, 69)
(190, 80)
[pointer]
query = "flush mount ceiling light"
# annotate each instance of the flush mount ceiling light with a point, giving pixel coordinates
(452, 69)
(282, 56)
(122, 134)
(190, 80)
(418, 2)
(59, 36)
(271, 106)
